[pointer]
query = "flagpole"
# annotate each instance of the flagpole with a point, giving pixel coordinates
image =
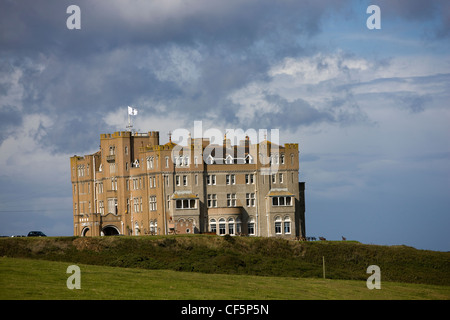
(129, 126)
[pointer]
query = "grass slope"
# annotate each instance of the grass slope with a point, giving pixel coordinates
(240, 255)
(27, 279)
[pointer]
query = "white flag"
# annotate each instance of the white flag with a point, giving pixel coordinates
(132, 111)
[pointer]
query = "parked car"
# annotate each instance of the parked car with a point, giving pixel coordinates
(36, 234)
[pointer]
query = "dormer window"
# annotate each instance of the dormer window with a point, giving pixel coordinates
(229, 159)
(149, 163)
(248, 159)
(136, 163)
(210, 160)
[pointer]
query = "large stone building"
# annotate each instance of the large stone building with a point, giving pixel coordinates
(135, 186)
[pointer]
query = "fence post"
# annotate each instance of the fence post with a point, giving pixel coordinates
(323, 264)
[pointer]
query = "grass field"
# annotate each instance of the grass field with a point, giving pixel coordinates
(28, 279)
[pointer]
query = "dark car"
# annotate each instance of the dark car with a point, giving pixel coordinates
(36, 234)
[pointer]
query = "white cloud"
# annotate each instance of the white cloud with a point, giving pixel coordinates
(320, 67)
(25, 160)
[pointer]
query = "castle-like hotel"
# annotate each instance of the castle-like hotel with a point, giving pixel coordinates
(135, 186)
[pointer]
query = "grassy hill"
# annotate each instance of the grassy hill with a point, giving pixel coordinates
(29, 279)
(240, 256)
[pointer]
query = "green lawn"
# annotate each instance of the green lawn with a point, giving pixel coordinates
(40, 279)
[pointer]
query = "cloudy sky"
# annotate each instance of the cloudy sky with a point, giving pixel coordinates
(369, 108)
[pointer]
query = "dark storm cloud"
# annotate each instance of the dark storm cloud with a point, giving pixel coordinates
(75, 77)
(31, 26)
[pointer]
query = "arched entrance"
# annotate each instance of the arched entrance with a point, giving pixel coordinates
(84, 232)
(110, 231)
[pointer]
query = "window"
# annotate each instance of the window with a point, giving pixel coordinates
(251, 226)
(248, 159)
(152, 227)
(249, 178)
(149, 162)
(282, 201)
(186, 161)
(222, 229)
(250, 199)
(112, 205)
(212, 226)
(152, 203)
(211, 179)
(177, 180)
(230, 179)
(287, 225)
(278, 225)
(292, 158)
(280, 177)
(230, 226)
(282, 158)
(186, 204)
(167, 162)
(212, 200)
(274, 178)
(210, 160)
(184, 180)
(101, 207)
(136, 204)
(231, 199)
(229, 160)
